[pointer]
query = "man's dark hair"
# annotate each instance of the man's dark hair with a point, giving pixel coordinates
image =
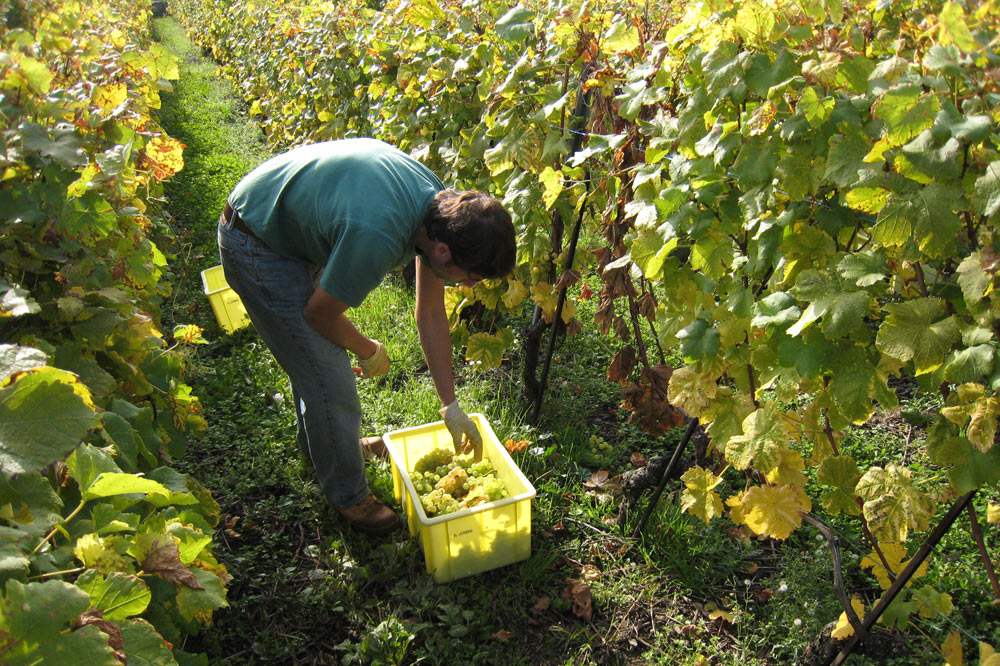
(476, 229)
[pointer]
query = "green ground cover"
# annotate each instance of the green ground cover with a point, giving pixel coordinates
(307, 590)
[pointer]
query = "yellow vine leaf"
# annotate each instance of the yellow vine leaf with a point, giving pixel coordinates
(788, 471)
(993, 513)
(699, 495)
(951, 649)
(111, 96)
(515, 294)
(894, 554)
(988, 656)
(775, 511)
(691, 391)
(844, 630)
(552, 182)
(165, 156)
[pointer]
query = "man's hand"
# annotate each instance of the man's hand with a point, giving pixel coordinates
(460, 425)
(376, 364)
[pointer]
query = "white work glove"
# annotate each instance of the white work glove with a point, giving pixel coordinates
(376, 364)
(460, 426)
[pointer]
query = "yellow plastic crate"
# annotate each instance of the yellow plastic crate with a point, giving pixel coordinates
(473, 540)
(226, 303)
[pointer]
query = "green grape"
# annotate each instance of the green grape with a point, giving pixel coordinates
(434, 459)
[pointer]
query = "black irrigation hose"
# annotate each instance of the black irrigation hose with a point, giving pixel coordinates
(692, 424)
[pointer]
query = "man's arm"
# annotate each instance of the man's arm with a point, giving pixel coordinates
(432, 327)
(327, 315)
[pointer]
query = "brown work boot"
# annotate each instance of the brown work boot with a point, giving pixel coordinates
(371, 516)
(374, 447)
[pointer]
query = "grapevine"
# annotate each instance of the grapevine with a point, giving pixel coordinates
(447, 483)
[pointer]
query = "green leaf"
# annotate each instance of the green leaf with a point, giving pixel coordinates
(764, 436)
(118, 596)
(621, 36)
(15, 358)
(44, 415)
(756, 162)
(484, 350)
(776, 309)
(846, 158)
(198, 604)
(516, 24)
(971, 364)
(968, 467)
(975, 282)
(897, 613)
(14, 548)
(649, 252)
(16, 302)
(986, 197)
(35, 621)
(86, 463)
(906, 111)
(893, 503)
(70, 357)
(931, 603)
(815, 110)
(863, 269)
(953, 28)
(699, 340)
(966, 129)
(842, 473)
(64, 145)
(36, 73)
(111, 484)
(918, 330)
(855, 382)
(143, 645)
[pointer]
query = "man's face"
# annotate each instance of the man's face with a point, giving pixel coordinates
(450, 272)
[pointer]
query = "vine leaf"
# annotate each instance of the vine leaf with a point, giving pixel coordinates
(842, 473)
(893, 503)
(35, 621)
(897, 613)
(118, 596)
(764, 436)
(158, 554)
(515, 25)
(986, 197)
(485, 350)
(774, 511)
(843, 629)
(699, 496)
(931, 603)
(915, 330)
(44, 415)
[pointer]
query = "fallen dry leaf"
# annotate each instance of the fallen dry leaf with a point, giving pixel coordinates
(516, 447)
(541, 604)
(597, 480)
(502, 635)
(579, 593)
(637, 459)
(589, 572)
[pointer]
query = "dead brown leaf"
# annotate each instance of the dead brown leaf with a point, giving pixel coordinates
(541, 604)
(638, 459)
(579, 593)
(502, 635)
(164, 560)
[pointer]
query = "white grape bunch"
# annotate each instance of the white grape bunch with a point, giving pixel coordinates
(447, 482)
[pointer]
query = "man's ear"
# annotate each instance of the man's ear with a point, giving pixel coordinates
(441, 252)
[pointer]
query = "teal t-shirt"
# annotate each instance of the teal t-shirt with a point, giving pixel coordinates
(351, 206)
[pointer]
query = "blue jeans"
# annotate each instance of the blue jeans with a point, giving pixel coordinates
(275, 291)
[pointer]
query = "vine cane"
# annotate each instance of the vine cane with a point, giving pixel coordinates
(666, 475)
(925, 549)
